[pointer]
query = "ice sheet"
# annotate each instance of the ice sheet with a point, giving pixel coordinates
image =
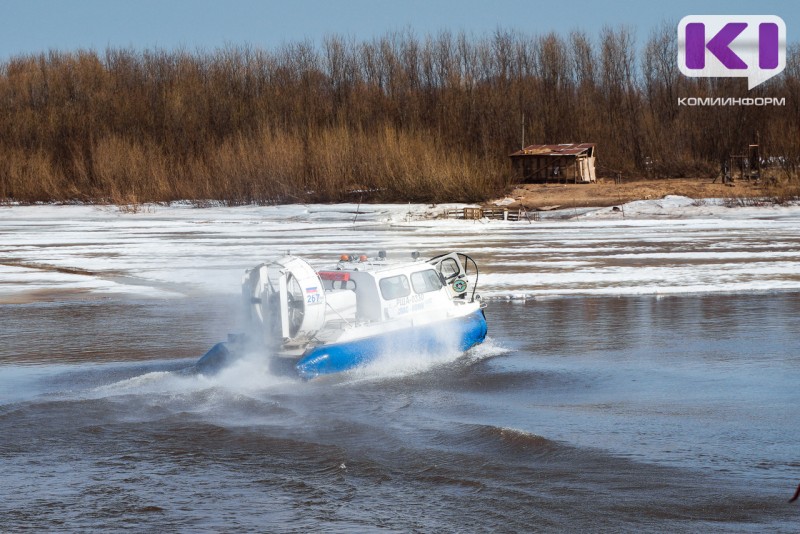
(671, 245)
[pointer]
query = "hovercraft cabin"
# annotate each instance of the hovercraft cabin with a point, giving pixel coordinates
(567, 163)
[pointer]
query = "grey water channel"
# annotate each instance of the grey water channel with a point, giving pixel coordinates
(639, 413)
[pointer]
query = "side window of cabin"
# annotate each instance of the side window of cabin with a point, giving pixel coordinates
(395, 287)
(449, 268)
(426, 281)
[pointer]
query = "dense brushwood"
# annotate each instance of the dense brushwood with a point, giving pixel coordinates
(396, 118)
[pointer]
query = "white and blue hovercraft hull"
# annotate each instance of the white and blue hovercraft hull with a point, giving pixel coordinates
(457, 334)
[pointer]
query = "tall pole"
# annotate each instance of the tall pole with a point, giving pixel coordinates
(758, 155)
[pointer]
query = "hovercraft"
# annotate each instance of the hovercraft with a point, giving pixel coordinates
(361, 309)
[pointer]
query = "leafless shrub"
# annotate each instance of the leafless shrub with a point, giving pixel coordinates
(401, 117)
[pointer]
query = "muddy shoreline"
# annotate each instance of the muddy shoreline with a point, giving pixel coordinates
(606, 192)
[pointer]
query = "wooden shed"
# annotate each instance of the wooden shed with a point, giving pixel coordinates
(568, 163)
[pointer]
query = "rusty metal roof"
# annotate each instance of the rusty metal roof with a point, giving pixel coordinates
(567, 149)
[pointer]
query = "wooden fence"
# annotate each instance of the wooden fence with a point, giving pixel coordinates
(500, 214)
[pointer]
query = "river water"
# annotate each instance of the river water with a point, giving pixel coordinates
(586, 408)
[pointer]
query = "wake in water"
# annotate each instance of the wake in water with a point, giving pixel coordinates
(250, 376)
(246, 375)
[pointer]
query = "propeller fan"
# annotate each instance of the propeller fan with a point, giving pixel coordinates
(296, 304)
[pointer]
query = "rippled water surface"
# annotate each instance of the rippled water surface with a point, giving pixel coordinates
(674, 413)
(585, 410)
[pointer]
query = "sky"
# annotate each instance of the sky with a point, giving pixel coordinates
(33, 26)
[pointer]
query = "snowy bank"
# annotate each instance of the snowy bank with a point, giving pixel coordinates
(672, 245)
